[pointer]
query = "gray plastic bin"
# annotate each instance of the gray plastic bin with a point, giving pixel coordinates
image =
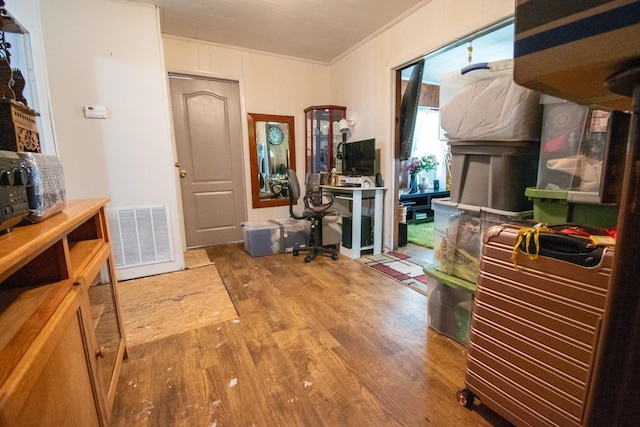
(494, 174)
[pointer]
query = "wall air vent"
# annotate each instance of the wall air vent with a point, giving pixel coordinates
(140, 235)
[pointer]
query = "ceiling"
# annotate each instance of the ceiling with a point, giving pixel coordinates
(317, 30)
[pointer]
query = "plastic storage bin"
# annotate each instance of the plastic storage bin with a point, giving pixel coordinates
(491, 217)
(572, 146)
(493, 174)
(482, 103)
(295, 233)
(449, 304)
(553, 207)
(457, 239)
(262, 238)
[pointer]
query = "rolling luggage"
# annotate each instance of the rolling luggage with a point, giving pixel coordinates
(536, 327)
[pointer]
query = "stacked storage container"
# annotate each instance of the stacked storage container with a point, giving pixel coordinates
(581, 160)
(274, 237)
(493, 130)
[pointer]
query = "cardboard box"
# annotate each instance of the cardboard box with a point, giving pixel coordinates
(569, 48)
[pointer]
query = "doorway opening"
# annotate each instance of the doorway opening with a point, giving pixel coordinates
(419, 138)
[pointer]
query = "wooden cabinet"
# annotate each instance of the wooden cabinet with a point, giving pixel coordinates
(322, 136)
(61, 336)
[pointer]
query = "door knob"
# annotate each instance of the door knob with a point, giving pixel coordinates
(183, 173)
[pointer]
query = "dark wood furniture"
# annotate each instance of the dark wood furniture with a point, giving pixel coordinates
(323, 136)
(419, 205)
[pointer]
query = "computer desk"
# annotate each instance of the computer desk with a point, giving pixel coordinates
(356, 195)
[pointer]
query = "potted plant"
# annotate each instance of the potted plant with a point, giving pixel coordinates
(426, 163)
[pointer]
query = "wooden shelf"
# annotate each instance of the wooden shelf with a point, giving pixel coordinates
(82, 253)
(46, 270)
(29, 310)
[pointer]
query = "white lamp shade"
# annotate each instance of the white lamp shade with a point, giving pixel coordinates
(343, 125)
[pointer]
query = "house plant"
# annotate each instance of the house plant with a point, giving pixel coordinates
(425, 163)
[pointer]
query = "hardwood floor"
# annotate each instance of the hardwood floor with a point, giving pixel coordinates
(328, 343)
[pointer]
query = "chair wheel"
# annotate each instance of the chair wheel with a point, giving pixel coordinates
(465, 398)
(296, 252)
(334, 256)
(307, 259)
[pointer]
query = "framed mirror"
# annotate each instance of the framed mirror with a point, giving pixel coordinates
(272, 151)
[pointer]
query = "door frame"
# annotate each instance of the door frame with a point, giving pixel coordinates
(397, 98)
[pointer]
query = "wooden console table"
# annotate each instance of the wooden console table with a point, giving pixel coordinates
(61, 336)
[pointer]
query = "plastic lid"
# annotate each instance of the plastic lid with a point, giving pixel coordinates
(257, 225)
(454, 282)
(445, 201)
(541, 193)
(469, 208)
(522, 214)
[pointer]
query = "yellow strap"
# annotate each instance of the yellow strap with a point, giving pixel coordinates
(526, 234)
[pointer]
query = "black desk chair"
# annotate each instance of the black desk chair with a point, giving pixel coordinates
(316, 207)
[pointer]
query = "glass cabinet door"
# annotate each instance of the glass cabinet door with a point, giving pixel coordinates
(322, 136)
(102, 298)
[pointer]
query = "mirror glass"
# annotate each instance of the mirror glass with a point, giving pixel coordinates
(272, 152)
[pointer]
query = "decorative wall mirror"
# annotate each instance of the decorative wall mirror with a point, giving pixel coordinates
(272, 152)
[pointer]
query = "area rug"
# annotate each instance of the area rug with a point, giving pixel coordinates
(400, 267)
(168, 304)
(421, 234)
(195, 258)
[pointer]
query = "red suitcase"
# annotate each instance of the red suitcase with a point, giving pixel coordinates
(535, 328)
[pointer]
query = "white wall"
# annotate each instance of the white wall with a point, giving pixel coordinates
(100, 52)
(110, 53)
(363, 80)
(269, 84)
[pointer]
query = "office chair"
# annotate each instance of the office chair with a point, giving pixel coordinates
(316, 207)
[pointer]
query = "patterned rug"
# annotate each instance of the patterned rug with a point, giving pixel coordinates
(401, 267)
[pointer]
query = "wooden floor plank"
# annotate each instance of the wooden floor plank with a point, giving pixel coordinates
(326, 343)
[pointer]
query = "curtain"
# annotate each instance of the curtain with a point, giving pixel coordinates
(409, 109)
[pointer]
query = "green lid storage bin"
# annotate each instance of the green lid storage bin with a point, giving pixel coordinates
(553, 207)
(450, 303)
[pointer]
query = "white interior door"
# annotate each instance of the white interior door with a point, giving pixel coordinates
(207, 122)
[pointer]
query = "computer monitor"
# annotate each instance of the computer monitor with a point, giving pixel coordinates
(359, 158)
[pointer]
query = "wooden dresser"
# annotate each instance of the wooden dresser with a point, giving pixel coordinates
(61, 336)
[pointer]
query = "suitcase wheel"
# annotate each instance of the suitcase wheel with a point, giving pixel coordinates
(465, 398)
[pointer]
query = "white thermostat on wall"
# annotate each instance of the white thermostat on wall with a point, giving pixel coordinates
(95, 112)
